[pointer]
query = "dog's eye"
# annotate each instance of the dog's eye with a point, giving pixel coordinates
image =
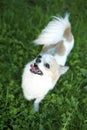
(47, 65)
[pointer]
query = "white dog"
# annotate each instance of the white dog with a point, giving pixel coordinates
(41, 74)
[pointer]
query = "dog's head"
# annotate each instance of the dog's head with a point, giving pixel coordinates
(46, 65)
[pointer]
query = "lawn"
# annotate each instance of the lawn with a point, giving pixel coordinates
(65, 107)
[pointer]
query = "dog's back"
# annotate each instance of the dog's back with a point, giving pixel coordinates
(57, 39)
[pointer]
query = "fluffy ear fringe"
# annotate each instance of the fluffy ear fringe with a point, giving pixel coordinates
(54, 31)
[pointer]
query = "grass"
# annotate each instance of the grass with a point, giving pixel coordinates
(65, 107)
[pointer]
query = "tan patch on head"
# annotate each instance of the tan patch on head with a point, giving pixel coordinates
(54, 70)
(67, 34)
(60, 48)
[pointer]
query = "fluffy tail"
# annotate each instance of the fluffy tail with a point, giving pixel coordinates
(54, 31)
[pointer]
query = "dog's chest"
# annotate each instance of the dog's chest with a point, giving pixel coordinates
(35, 85)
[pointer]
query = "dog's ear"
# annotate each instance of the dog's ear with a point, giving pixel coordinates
(63, 69)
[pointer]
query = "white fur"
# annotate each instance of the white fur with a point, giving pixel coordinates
(53, 32)
(34, 85)
(37, 86)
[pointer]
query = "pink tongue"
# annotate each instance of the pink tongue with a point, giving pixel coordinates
(32, 67)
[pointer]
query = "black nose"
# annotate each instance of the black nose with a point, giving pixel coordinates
(35, 65)
(38, 60)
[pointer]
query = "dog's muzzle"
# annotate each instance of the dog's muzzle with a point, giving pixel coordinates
(35, 69)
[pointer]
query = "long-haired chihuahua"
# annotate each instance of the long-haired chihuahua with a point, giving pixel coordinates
(41, 74)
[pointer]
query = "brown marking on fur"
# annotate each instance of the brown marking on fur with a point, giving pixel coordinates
(67, 34)
(54, 68)
(46, 48)
(54, 74)
(59, 49)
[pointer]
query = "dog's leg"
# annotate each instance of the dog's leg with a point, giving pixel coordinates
(36, 107)
(36, 104)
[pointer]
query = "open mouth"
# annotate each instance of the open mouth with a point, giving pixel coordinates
(35, 69)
